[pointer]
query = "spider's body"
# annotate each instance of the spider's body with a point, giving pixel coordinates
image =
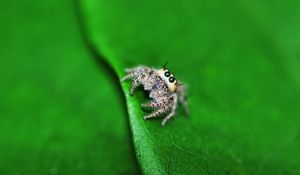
(164, 90)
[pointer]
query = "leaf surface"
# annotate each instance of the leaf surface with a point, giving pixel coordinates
(240, 61)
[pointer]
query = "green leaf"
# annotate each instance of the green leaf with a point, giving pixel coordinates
(240, 61)
(56, 98)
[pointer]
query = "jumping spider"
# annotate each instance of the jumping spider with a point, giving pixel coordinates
(164, 90)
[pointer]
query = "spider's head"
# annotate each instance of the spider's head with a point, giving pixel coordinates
(170, 80)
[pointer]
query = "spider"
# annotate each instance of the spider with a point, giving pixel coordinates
(165, 91)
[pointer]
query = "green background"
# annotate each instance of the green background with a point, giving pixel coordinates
(63, 110)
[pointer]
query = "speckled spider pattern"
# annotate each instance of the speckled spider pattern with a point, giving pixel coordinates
(165, 91)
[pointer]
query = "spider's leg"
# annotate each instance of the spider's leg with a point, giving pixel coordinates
(157, 113)
(135, 83)
(172, 113)
(157, 104)
(127, 77)
(150, 104)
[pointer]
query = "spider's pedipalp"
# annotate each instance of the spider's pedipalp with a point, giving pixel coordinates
(181, 91)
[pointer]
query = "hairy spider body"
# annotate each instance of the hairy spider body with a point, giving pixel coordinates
(164, 90)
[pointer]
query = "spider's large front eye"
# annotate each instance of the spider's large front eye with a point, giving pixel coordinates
(167, 74)
(171, 79)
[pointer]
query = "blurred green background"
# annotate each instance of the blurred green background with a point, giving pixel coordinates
(63, 111)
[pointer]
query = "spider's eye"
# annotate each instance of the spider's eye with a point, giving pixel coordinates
(167, 74)
(171, 79)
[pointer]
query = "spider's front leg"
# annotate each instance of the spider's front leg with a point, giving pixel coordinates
(173, 111)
